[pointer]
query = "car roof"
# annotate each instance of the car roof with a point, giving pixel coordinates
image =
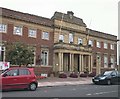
(111, 70)
(19, 68)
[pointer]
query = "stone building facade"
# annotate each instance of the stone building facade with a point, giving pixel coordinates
(29, 29)
(62, 43)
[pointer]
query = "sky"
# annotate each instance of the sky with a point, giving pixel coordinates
(100, 15)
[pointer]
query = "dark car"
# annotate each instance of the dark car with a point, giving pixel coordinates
(18, 78)
(107, 77)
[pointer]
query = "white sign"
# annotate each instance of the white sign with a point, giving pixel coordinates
(0, 48)
(44, 75)
(4, 65)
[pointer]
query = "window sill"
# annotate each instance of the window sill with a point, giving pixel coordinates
(32, 37)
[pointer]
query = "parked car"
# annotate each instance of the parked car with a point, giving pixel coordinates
(107, 77)
(18, 78)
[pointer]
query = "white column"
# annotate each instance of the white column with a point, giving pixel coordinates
(59, 54)
(80, 68)
(82, 61)
(89, 64)
(61, 61)
(70, 64)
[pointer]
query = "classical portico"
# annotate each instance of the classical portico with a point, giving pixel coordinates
(72, 60)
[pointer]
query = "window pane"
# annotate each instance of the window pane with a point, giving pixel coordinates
(45, 35)
(79, 41)
(90, 42)
(44, 57)
(70, 37)
(98, 45)
(32, 33)
(105, 61)
(105, 45)
(112, 62)
(112, 46)
(24, 72)
(12, 72)
(18, 30)
(3, 28)
(61, 38)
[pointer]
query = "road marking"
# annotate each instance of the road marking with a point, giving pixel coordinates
(100, 93)
(74, 89)
(88, 94)
(104, 92)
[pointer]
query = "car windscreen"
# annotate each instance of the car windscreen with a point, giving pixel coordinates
(3, 71)
(118, 74)
(107, 73)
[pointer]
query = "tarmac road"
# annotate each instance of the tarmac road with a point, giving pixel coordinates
(87, 90)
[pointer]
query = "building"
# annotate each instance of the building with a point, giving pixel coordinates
(79, 48)
(62, 43)
(30, 29)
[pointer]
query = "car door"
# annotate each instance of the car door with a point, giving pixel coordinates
(118, 78)
(10, 79)
(114, 77)
(24, 78)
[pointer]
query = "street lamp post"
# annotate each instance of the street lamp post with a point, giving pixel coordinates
(118, 67)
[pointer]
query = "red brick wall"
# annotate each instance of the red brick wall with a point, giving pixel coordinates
(104, 51)
(43, 70)
(10, 37)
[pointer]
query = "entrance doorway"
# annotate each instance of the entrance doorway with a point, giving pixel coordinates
(76, 63)
(66, 62)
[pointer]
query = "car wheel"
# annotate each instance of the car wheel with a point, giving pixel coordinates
(32, 87)
(109, 82)
(95, 83)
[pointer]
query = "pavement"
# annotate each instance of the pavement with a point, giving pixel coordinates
(55, 81)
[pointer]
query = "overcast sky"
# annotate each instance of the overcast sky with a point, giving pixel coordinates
(100, 15)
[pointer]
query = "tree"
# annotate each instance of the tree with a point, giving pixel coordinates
(19, 54)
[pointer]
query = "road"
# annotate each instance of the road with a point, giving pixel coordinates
(68, 91)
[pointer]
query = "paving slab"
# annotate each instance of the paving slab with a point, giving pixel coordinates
(55, 81)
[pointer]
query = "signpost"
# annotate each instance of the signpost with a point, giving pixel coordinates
(4, 65)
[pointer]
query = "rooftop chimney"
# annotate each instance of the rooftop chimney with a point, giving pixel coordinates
(70, 14)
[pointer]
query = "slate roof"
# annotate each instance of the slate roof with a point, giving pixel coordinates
(101, 34)
(26, 17)
(66, 18)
